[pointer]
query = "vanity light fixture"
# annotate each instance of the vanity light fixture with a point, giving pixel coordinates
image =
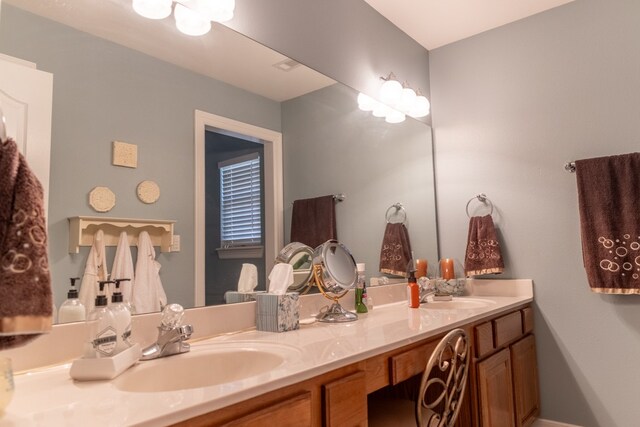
(396, 101)
(193, 17)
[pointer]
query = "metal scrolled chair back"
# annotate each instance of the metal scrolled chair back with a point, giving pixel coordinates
(444, 381)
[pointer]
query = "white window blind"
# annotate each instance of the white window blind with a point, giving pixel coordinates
(240, 206)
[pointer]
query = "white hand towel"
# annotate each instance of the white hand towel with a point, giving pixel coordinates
(123, 266)
(148, 293)
(95, 270)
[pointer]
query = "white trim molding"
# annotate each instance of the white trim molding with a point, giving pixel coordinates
(273, 191)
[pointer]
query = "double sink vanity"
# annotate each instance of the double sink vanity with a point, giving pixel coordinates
(320, 374)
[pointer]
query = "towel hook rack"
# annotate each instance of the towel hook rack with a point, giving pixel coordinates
(482, 198)
(398, 209)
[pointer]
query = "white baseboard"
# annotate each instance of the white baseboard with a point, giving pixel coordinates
(548, 423)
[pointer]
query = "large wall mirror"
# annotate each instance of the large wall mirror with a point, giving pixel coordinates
(119, 77)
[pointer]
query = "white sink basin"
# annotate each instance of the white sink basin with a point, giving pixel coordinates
(462, 303)
(206, 365)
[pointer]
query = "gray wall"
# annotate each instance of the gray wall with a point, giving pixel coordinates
(332, 147)
(511, 106)
(104, 92)
(345, 39)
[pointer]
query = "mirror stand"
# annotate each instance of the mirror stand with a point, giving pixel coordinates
(334, 313)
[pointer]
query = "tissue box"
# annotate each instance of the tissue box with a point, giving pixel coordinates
(278, 313)
(232, 297)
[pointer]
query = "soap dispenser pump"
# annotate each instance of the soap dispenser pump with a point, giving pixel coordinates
(122, 317)
(72, 310)
(102, 330)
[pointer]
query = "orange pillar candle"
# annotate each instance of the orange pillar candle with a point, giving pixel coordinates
(446, 269)
(421, 268)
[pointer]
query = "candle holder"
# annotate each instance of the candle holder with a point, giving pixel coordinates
(450, 279)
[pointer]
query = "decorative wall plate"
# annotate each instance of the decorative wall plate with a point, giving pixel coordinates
(148, 192)
(102, 199)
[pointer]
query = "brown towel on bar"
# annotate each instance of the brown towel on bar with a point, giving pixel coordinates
(313, 221)
(396, 250)
(25, 284)
(483, 249)
(609, 203)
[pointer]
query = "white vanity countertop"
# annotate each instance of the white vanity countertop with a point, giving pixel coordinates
(49, 397)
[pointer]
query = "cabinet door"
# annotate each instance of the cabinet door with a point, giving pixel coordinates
(525, 380)
(345, 401)
(495, 390)
(292, 412)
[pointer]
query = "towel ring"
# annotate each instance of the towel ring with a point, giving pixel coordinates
(481, 198)
(398, 208)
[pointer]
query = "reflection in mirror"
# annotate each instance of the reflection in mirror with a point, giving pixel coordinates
(123, 78)
(300, 256)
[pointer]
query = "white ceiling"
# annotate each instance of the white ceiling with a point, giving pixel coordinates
(232, 58)
(435, 23)
(222, 53)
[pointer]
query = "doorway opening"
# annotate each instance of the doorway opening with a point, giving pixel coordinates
(270, 142)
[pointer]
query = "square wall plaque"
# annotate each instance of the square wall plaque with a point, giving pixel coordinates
(125, 154)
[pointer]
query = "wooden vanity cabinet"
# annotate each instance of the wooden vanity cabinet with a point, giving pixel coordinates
(502, 388)
(506, 371)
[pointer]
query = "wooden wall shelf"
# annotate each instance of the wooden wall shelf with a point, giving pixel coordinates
(82, 229)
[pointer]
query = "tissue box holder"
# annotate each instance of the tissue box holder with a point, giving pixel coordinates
(232, 297)
(278, 313)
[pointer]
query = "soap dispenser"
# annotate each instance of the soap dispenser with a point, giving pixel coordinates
(413, 290)
(122, 317)
(102, 330)
(72, 310)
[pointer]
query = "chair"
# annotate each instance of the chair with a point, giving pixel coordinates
(441, 391)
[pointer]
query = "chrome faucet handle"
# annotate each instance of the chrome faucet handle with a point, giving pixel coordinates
(172, 315)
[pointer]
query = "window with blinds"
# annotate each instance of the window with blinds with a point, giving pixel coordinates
(240, 189)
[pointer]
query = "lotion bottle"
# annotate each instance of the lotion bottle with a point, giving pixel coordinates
(102, 330)
(413, 291)
(122, 318)
(72, 310)
(361, 304)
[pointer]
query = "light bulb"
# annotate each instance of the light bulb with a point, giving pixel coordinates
(394, 116)
(380, 110)
(407, 100)
(191, 22)
(219, 10)
(153, 9)
(391, 93)
(421, 107)
(365, 102)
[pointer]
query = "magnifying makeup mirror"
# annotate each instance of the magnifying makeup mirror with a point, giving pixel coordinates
(335, 272)
(300, 256)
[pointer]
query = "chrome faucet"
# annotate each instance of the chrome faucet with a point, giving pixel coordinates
(171, 335)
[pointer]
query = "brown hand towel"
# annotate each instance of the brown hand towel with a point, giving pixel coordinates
(313, 221)
(609, 204)
(483, 249)
(25, 284)
(396, 250)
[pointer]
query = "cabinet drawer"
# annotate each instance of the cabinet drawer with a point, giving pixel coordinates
(484, 339)
(292, 412)
(507, 328)
(527, 320)
(412, 362)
